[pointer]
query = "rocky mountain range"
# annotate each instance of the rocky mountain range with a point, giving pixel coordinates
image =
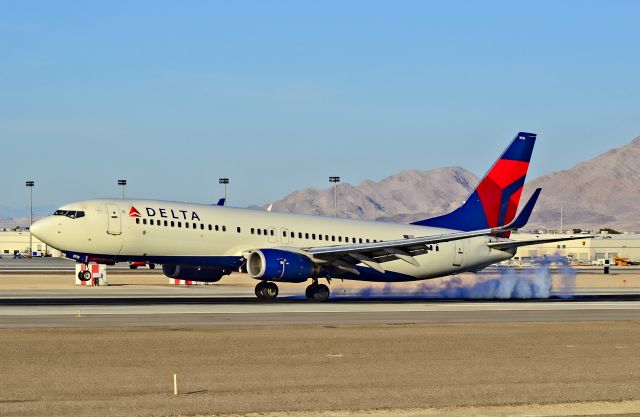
(602, 192)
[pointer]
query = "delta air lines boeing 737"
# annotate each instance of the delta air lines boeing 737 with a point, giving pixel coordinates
(206, 242)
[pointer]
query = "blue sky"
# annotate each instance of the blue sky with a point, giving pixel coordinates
(279, 95)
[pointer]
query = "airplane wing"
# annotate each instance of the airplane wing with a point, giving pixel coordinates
(372, 254)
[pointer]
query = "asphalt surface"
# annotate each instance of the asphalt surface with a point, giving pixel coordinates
(112, 312)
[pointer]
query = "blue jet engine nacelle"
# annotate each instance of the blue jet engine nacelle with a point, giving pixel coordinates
(280, 265)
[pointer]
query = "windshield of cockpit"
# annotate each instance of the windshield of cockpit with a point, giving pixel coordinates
(73, 214)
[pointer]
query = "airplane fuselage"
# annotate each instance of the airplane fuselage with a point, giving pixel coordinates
(214, 236)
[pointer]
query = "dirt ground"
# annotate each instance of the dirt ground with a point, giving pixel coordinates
(341, 369)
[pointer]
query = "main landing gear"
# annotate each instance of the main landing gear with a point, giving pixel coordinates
(266, 290)
(317, 292)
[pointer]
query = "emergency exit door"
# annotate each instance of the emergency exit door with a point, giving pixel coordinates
(115, 223)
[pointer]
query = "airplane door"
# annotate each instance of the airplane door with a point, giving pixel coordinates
(284, 235)
(114, 223)
(458, 256)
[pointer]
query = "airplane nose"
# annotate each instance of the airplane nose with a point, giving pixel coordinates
(43, 229)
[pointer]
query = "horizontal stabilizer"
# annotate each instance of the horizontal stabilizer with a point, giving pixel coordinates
(511, 244)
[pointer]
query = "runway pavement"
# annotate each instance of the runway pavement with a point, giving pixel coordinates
(124, 313)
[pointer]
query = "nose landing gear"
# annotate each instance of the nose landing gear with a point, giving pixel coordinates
(266, 290)
(85, 275)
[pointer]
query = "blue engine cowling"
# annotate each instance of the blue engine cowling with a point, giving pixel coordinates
(194, 273)
(280, 265)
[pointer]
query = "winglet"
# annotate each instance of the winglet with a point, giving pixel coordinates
(221, 202)
(523, 218)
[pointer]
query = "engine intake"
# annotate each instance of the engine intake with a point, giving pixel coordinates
(194, 273)
(280, 265)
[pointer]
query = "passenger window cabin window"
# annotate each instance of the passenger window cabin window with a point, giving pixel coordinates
(217, 228)
(333, 238)
(259, 231)
(367, 240)
(144, 221)
(138, 221)
(265, 231)
(306, 235)
(326, 237)
(272, 232)
(173, 224)
(166, 223)
(360, 240)
(293, 235)
(253, 231)
(195, 226)
(186, 225)
(202, 226)
(339, 238)
(313, 236)
(210, 227)
(238, 229)
(319, 237)
(354, 240)
(224, 228)
(284, 234)
(151, 222)
(299, 235)
(179, 224)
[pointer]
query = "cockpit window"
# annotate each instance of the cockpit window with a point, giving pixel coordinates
(72, 214)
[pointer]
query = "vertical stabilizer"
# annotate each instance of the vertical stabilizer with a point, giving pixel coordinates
(495, 200)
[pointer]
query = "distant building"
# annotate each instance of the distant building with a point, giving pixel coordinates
(12, 242)
(602, 247)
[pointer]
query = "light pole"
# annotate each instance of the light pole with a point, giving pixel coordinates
(122, 183)
(30, 185)
(224, 181)
(335, 181)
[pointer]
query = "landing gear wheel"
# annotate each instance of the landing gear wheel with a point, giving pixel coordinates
(266, 290)
(317, 292)
(84, 275)
(152, 266)
(259, 287)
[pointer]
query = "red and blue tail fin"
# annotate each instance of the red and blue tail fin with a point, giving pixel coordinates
(495, 201)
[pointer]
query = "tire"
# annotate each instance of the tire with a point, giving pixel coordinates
(84, 275)
(133, 266)
(152, 266)
(321, 293)
(270, 291)
(258, 290)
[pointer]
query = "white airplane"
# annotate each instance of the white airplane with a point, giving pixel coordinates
(206, 242)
